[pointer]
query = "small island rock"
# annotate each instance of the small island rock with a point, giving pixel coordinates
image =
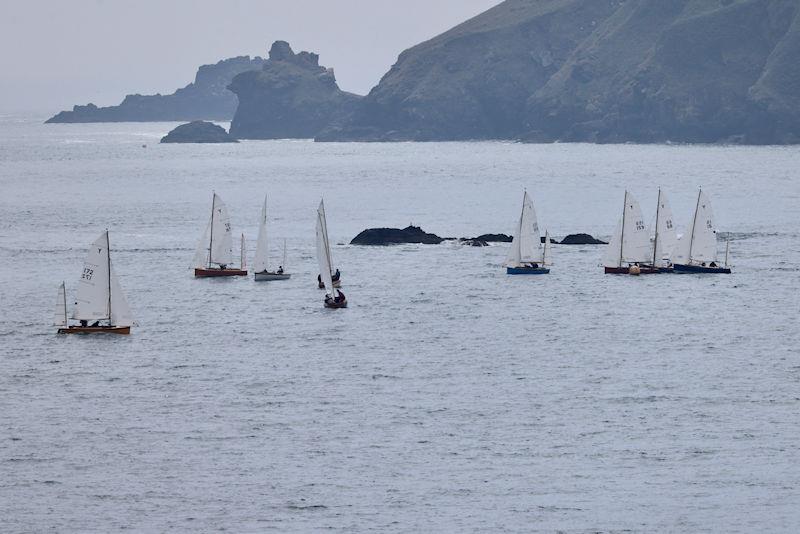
(395, 236)
(581, 239)
(198, 132)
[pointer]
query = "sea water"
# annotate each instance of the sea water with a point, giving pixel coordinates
(448, 396)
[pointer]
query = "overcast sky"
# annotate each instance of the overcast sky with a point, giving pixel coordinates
(56, 53)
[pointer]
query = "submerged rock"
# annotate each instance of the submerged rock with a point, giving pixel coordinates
(581, 239)
(198, 132)
(395, 236)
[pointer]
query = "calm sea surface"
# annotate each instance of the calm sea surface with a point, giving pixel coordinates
(449, 397)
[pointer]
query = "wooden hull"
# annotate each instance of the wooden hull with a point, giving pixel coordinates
(267, 276)
(214, 273)
(643, 269)
(336, 283)
(336, 304)
(122, 330)
(527, 270)
(700, 269)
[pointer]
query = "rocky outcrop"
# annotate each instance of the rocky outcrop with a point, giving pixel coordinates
(580, 239)
(198, 132)
(601, 71)
(206, 98)
(494, 238)
(395, 236)
(291, 96)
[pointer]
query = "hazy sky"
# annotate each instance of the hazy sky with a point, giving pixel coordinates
(56, 53)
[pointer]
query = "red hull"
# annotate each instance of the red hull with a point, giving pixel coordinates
(212, 273)
(123, 330)
(626, 270)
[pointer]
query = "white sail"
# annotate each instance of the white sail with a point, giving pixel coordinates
(283, 265)
(324, 223)
(92, 300)
(260, 262)
(60, 317)
(612, 256)
(120, 311)
(525, 248)
(699, 243)
(666, 237)
(322, 254)
(201, 253)
(546, 255)
(243, 254)
(635, 237)
(221, 237)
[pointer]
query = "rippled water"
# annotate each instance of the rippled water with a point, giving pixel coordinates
(448, 397)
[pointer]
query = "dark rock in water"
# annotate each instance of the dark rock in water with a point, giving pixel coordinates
(291, 96)
(206, 98)
(494, 238)
(552, 241)
(581, 239)
(395, 236)
(719, 71)
(198, 132)
(475, 242)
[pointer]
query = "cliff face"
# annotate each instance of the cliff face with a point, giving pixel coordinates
(597, 70)
(292, 96)
(206, 98)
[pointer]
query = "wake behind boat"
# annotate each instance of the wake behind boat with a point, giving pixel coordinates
(334, 298)
(99, 299)
(528, 255)
(696, 251)
(261, 263)
(214, 253)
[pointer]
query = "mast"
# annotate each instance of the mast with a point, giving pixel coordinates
(108, 257)
(241, 254)
(518, 241)
(622, 230)
(284, 254)
(64, 289)
(211, 242)
(694, 224)
(655, 240)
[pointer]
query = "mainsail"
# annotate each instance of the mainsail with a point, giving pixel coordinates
(699, 243)
(202, 251)
(60, 316)
(631, 241)
(546, 256)
(93, 300)
(260, 261)
(323, 253)
(323, 221)
(221, 251)
(527, 240)
(665, 236)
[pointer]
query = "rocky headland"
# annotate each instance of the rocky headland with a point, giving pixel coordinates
(291, 96)
(206, 98)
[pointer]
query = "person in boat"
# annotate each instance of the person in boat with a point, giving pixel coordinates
(336, 275)
(713, 264)
(533, 265)
(95, 324)
(84, 322)
(223, 266)
(319, 279)
(280, 269)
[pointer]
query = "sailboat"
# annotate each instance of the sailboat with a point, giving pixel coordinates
(527, 254)
(335, 275)
(260, 264)
(665, 236)
(696, 251)
(629, 250)
(100, 298)
(334, 298)
(214, 253)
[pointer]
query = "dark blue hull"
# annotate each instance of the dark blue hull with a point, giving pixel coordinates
(678, 268)
(527, 270)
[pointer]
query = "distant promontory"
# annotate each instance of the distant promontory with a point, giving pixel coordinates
(207, 98)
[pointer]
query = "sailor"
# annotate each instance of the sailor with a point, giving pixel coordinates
(83, 322)
(280, 269)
